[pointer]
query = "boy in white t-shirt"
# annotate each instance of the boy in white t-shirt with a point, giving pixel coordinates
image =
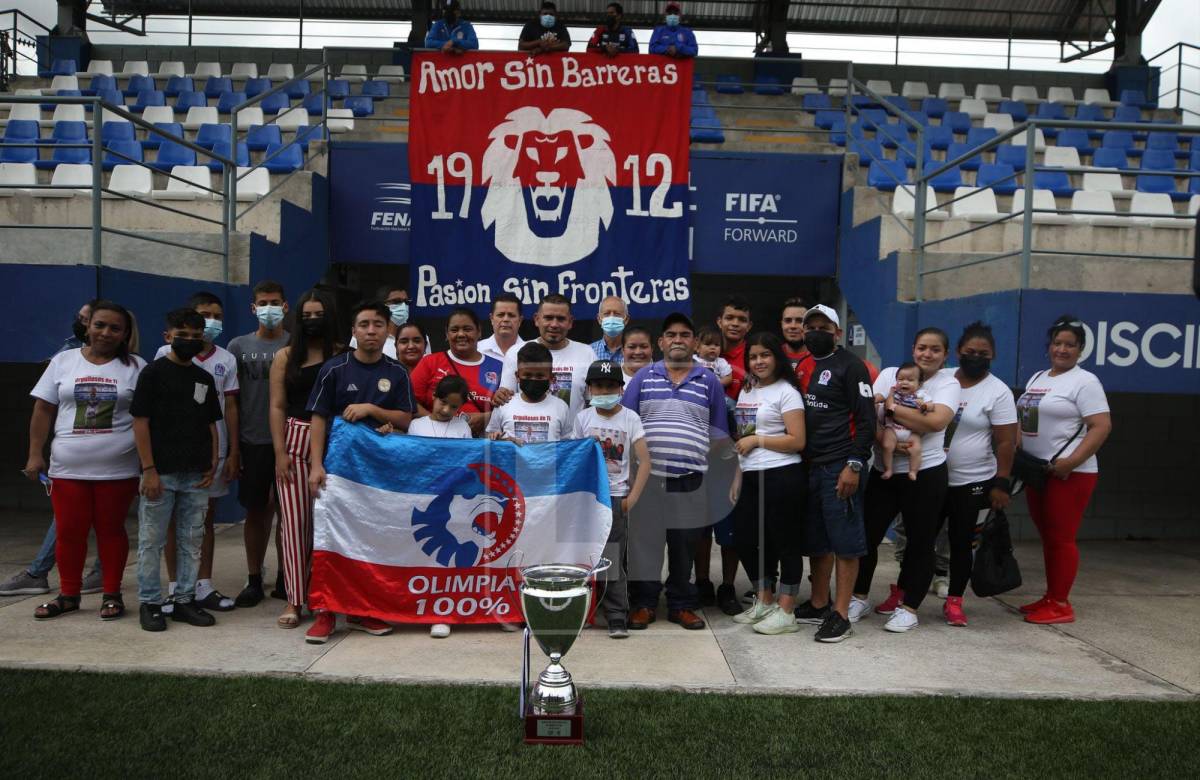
(618, 430)
(533, 415)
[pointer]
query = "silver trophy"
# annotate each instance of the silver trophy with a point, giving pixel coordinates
(556, 599)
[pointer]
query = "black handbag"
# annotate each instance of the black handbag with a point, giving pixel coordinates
(995, 570)
(1030, 470)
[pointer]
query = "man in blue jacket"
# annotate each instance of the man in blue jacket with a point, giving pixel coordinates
(672, 38)
(452, 33)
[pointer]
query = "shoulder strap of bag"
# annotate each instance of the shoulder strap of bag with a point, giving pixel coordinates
(1064, 447)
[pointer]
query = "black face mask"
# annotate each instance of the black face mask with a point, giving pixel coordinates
(974, 366)
(796, 346)
(79, 330)
(186, 349)
(613, 23)
(313, 326)
(536, 389)
(451, 18)
(820, 343)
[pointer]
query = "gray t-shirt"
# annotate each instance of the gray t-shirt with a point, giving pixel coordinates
(254, 356)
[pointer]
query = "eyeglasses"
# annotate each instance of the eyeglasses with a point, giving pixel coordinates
(1068, 324)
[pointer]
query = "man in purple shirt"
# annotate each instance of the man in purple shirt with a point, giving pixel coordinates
(682, 406)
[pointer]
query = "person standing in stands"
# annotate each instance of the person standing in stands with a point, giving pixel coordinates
(1064, 419)
(671, 38)
(363, 385)
(256, 484)
(614, 36)
(791, 326)
(92, 479)
(222, 366)
(613, 316)
(506, 327)
(463, 359)
(293, 375)
(545, 34)
(452, 34)
(571, 358)
(980, 443)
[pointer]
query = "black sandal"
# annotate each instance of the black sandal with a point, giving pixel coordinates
(59, 605)
(112, 607)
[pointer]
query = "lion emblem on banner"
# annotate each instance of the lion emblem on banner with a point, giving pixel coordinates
(548, 177)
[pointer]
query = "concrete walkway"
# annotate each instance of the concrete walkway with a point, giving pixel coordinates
(1138, 636)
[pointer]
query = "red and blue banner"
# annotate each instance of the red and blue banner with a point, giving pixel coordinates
(419, 530)
(563, 173)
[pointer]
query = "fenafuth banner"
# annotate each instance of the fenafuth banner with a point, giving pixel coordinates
(556, 174)
(420, 530)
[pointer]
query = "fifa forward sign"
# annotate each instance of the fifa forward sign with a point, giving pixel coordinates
(557, 174)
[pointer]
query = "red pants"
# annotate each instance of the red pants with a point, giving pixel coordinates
(79, 506)
(296, 515)
(1057, 511)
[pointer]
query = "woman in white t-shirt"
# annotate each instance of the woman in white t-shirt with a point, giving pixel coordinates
(637, 349)
(919, 502)
(979, 444)
(85, 393)
(1064, 419)
(769, 488)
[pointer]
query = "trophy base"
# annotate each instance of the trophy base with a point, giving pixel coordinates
(564, 728)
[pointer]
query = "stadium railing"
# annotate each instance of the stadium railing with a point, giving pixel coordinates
(1177, 53)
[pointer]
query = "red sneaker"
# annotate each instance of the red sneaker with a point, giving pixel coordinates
(953, 611)
(893, 601)
(370, 625)
(321, 629)
(1052, 612)
(1034, 606)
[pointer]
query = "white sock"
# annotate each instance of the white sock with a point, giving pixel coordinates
(203, 588)
(171, 589)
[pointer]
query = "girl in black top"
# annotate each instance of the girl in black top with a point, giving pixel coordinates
(293, 374)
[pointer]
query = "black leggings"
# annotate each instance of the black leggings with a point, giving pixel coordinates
(966, 507)
(768, 524)
(919, 502)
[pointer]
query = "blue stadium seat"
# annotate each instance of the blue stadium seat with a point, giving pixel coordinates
(229, 101)
(1194, 161)
(1133, 97)
(1119, 139)
(298, 90)
(273, 104)
(1110, 158)
(815, 101)
(309, 133)
(216, 85)
(18, 154)
(886, 174)
(867, 149)
(1056, 181)
(1193, 186)
(22, 130)
(1127, 114)
(1016, 109)
(1077, 139)
(857, 131)
(260, 137)
(210, 134)
(99, 82)
(1157, 182)
(290, 158)
(361, 106)
(312, 104)
(1090, 112)
(862, 101)
(935, 107)
(64, 154)
(990, 175)
(188, 100)
(62, 93)
(1051, 111)
(1158, 160)
(255, 87)
(152, 141)
(110, 96)
(939, 137)
(907, 153)
(177, 84)
(1163, 140)
(763, 85)
(947, 181)
(958, 121)
(340, 88)
(920, 117)
(891, 134)
(69, 133)
(128, 148)
(59, 68)
(899, 101)
(139, 84)
(1013, 156)
(729, 84)
(171, 154)
(147, 98)
(958, 149)
(224, 149)
(977, 136)
(827, 120)
(872, 118)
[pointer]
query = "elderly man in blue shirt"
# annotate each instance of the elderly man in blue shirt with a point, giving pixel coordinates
(452, 33)
(673, 39)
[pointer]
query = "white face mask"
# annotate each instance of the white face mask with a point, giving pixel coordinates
(269, 316)
(399, 313)
(212, 329)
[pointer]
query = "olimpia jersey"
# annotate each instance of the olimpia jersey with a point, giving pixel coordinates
(839, 408)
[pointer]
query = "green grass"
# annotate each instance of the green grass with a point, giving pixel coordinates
(61, 724)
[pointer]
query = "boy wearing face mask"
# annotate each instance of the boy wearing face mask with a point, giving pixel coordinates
(613, 37)
(619, 432)
(256, 483)
(222, 366)
(452, 34)
(175, 412)
(546, 33)
(533, 415)
(673, 39)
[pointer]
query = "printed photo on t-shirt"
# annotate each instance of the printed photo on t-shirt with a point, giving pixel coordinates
(745, 419)
(1027, 411)
(95, 405)
(561, 386)
(614, 443)
(531, 430)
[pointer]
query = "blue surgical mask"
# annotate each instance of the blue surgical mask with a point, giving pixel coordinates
(269, 316)
(212, 329)
(612, 326)
(547, 21)
(399, 313)
(606, 401)
(672, 20)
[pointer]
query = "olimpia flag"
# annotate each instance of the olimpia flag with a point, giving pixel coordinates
(421, 530)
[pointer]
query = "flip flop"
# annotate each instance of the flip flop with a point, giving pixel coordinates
(288, 621)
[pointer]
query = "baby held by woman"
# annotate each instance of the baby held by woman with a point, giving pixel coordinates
(909, 379)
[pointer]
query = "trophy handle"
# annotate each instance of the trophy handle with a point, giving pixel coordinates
(599, 566)
(524, 674)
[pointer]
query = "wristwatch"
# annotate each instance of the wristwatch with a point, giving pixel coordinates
(855, 465)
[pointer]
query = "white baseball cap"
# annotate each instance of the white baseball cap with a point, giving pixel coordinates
(825, 312)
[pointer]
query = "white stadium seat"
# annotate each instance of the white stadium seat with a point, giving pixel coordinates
(1194, 205)
(206, 70)
(1099, 97)
(69, 175)
(131, 180)
(253, 185)
(1039, 140)
(65, 113)
(976, 109)
(25, 111)
(353, 73)
(988, 92)
(290, 120)
(244, 70)
(249, 116)
(1064, 95)
(1106, 180)
(951, 90)
(134, 68)
(977, 205)
(339, 120)
(904, 203)
(1156, 203)
(1025, 93)
(1001, 122)
(837, 87)
(1042, 199)
(804, 85)
(15, 176)
(200, 115)
(280, 71)
(915, 90)
(393, 74)
(880, 87)
(109, 116)
(196, 177)
(1061, 156)
(156, 114)
(169, 68)
(1083, 200)
(61, 82)
(98, 68)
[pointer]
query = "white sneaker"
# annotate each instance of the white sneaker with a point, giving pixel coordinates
(941, 587)
(777, 621)
(757, 611)
(901, 620)
(858, 608)
(439, 631)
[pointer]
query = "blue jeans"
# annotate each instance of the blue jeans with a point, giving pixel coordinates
(189, 505)
(831, 524)
(43, 564)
